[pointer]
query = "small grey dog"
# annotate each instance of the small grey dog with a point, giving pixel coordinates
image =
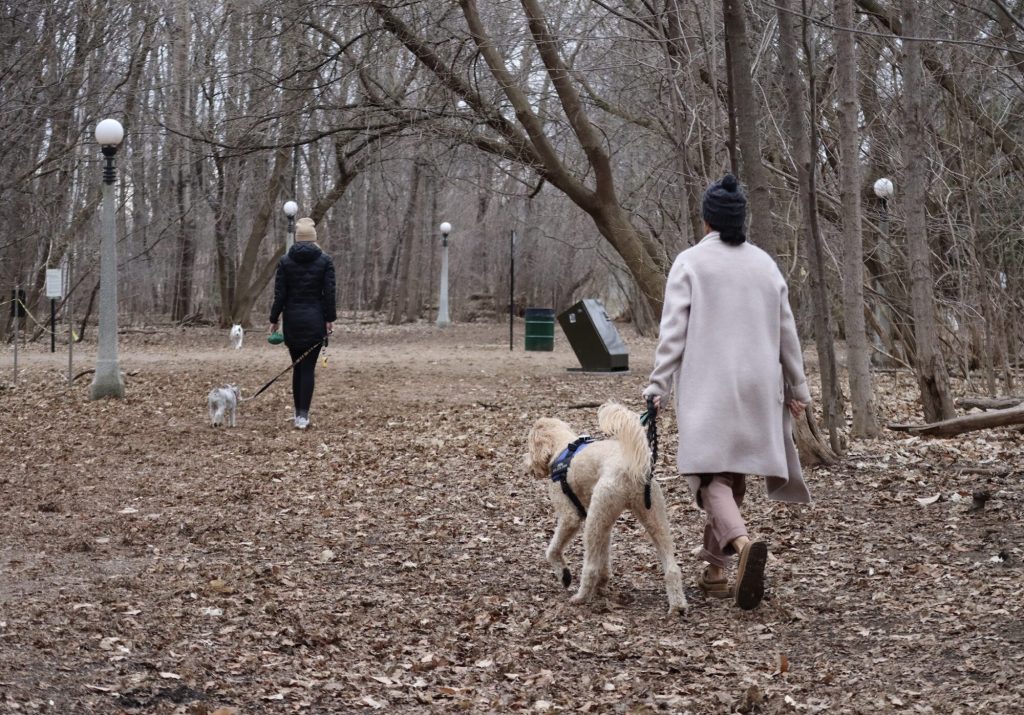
(223, 401)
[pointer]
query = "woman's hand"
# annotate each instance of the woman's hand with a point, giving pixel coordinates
(273, 327)
(330, 328)
(796, 408)
(656, 399)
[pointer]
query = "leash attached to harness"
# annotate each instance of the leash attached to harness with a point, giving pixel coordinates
(278, 376)
(560, 471)
(650, 420)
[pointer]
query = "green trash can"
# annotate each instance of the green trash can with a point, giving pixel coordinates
(540, 329)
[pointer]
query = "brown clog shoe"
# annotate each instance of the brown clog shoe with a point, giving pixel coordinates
(750, 575)
(713, 589)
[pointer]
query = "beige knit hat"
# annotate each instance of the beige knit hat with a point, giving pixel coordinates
(305, 230)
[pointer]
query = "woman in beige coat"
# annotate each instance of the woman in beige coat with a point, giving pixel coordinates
(729, 346)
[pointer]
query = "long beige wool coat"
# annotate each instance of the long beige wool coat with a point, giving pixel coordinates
(728, 341)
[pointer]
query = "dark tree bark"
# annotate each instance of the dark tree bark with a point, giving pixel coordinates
(932, 376)
(858, 356)
(752, 171)
(406, 242)
(803, 151)
(180, 43)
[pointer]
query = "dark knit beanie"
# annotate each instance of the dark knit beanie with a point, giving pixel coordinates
(725, 208)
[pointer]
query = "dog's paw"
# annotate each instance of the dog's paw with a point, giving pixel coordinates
(580, 597)
(566, 578)
(677, 610)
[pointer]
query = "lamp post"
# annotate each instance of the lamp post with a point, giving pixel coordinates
(107, 381)
(884, 190)
(511, 286)
(442, 302)
(290, 209)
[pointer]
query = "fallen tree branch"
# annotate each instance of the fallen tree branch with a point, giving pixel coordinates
(989, 403)
(967, 423)
(91, 370)
(190, 319)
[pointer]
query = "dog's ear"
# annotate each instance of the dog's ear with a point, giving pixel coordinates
(540, 449)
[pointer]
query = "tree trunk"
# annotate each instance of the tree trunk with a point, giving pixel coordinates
(803, 153)
(406, 238)
(809, 444)
(224, 209)
(180, 37)
(748, 112)
(932, 376)
(423, 232)
(688, 184)
(858, 353)
(254, 274)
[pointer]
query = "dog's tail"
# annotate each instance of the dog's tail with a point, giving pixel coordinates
(624, 425)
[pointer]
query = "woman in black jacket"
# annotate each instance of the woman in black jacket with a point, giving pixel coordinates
(304, 291)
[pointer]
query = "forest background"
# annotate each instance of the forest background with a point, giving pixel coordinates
(155, 564)
(588, 128)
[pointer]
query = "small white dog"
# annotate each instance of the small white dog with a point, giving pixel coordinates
(607, 477)
(223, 402)
(236, 336)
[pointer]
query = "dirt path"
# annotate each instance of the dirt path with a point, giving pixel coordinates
(391, 558)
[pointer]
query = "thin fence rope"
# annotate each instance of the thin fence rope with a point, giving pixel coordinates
(28, 312)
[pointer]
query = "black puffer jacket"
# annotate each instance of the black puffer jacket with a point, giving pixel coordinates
(304, 291)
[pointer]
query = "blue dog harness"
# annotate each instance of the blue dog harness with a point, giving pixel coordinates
(560, 470)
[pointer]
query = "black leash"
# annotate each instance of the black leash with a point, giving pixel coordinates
(278, 377)
(650, 419)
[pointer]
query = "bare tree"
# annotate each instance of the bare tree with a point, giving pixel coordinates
(526, 140)
(540, 113)
(748, 115)
(932, 376)
(803, 152)
(858, 353)
(181, 31)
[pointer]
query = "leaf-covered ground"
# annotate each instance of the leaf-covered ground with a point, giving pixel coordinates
(391, 558)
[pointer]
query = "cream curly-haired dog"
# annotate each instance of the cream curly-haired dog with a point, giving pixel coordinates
(607, 477)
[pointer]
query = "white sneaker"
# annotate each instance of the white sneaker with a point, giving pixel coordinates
(301, 422)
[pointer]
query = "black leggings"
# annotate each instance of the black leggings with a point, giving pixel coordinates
(303, 379)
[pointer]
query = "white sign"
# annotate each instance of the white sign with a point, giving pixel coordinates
(54, 283)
